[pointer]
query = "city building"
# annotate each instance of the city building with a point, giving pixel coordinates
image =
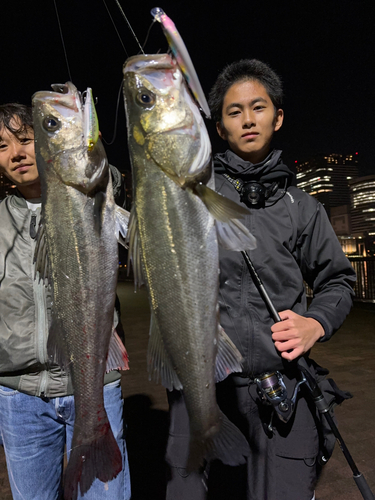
(326, 177)
(362, 211)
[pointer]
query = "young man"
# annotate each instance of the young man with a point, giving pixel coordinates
(295, 243)
(36, 397)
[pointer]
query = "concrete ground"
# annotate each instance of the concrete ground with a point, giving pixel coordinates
(349, 355)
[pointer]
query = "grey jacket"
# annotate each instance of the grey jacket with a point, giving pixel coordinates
(295, 243)
(25, 305)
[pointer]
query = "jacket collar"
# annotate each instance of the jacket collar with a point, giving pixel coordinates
(17, 200)
(270, 169)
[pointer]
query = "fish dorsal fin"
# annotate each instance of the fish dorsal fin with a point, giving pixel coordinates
(134, 255)
(41, 260)
(228, 358)
(121, 225)
(231, 233)
(117, 358)
(158, 362)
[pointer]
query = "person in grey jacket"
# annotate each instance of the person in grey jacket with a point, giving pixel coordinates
(36, 396)
(295, 244)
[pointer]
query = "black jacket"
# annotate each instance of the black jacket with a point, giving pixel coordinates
(295, 243)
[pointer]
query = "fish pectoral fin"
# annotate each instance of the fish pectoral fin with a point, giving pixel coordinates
(121, 225)
(228, 358)
(220, 207)
(159, 364)
(134, 255)
(41, 260)
(117, 358)
(231, 233)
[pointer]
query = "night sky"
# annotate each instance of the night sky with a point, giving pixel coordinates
(323, 50)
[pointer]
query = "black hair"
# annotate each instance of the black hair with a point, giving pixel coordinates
(243, 70)
(17, 118)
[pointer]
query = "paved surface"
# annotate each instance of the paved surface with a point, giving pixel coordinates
(349, 357)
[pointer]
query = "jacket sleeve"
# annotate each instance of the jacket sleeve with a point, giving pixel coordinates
(118, 183)
(326, 270)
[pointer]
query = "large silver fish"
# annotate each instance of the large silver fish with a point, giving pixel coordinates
(77, 251)
(175, 223)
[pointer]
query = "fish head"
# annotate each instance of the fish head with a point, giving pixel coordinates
(67, 142)
(164, 122)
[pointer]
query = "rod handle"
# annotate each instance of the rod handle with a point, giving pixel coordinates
(363, 487)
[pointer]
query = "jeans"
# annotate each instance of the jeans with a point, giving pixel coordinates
(35, 431)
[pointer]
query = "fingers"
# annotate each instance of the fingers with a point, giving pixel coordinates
(295, 334)
(288, 314)
(293, 354)
(287, 345)
(288, 321)
(290, 349)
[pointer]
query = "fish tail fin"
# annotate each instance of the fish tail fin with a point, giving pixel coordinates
(228, 445)
(99, 459)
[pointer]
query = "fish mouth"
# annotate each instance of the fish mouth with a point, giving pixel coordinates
(145, 63)
(63, 96)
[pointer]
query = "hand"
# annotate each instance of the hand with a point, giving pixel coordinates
(295, 334)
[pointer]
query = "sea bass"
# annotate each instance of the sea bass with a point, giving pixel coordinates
(175, 223)
(77, 251)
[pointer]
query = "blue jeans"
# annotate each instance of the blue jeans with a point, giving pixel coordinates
(35, 432)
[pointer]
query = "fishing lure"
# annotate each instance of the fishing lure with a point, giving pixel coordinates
(182, 57)
(91, 123)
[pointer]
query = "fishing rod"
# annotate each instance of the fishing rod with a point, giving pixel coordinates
(320, 402)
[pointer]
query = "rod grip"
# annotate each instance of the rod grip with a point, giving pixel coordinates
(363, 487)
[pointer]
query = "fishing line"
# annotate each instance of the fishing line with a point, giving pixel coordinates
(62, 40)
(116, 117)
(148, 33)
(118, 34)
(129, 25)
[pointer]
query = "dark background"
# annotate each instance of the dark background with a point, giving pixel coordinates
(323, 50)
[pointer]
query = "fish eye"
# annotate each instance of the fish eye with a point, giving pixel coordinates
(145, 98)
(51, 124)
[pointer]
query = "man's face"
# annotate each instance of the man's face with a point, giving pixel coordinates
(249, 120)
(17, 157)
